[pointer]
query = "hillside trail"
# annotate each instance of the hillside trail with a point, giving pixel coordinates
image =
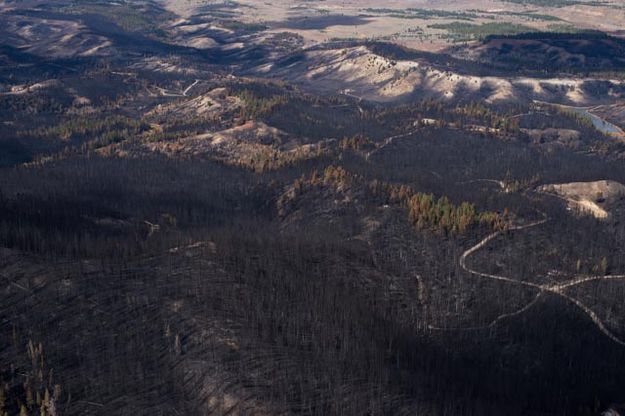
(557, 289)
(389, 140)
(186, 91)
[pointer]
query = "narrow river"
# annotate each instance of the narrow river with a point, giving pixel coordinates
(599, 123)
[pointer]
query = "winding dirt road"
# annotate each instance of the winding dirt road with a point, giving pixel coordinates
(186, 91)
(557, 289)
(388, 141)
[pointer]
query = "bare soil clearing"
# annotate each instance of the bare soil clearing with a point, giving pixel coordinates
(589, 198)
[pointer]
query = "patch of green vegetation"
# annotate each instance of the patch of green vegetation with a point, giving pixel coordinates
(467, 15)
(259, 101)
(424, 14)
(443, 14)
(425, 211)
(220, 14)
(462, 31)
(556, 3)
(130, 17)
(224, 10)
(342, 40)
(531, 16)
(92, 131)
(565, 28)
(243, 27)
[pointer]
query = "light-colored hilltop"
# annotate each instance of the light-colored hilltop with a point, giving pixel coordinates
(215, 102)
(53, 38)
(359, 72)
(590, 198)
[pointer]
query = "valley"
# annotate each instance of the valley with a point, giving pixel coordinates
(317, 208)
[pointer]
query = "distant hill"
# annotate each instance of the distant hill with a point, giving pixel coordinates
(587, 51)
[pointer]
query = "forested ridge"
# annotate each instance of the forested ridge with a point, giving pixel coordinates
(320, 301)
